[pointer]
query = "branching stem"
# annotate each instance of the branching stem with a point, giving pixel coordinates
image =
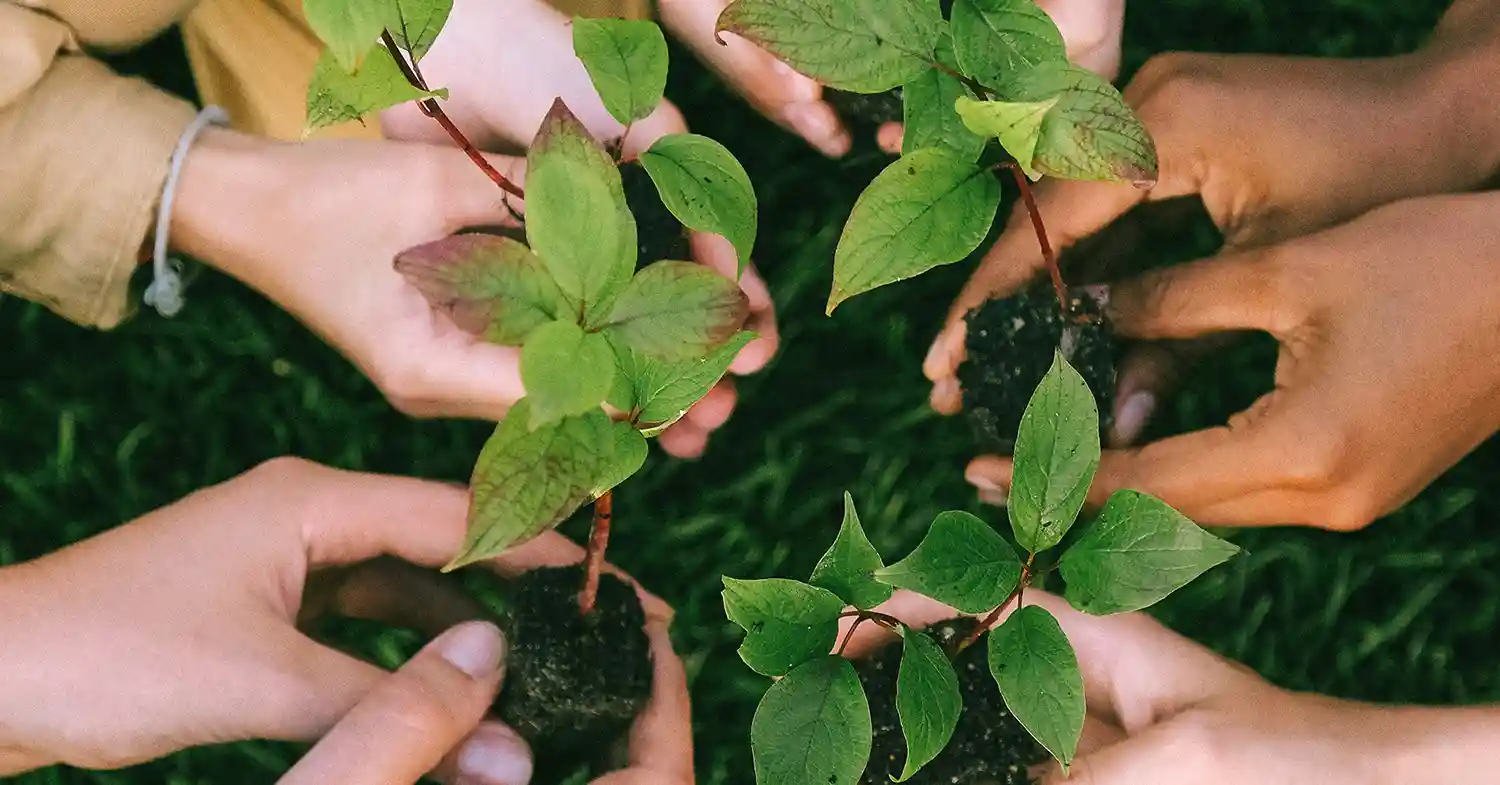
(1041, 233)
(973, 84)
(594, 558)
(430, 107)
(990, 620)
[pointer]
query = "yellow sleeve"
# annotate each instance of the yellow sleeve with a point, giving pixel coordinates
(83, 156)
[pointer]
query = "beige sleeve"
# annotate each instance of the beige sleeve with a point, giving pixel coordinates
(84, 153)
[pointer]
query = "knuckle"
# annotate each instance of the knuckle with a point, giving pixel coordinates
(1319, 462)
(404, 383)
(1348, 512)
(1172, 83)
(1197, 743)
(282, 467)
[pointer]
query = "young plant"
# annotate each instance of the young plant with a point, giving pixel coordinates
(981, 73)
(814, 725)
(592, 328)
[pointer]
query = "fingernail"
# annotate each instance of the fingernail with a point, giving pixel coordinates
(994, 496)
(817, 124)
(494, 755)
(476, 648)
(1133, 415)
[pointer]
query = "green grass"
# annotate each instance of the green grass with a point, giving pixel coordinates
(99, 428)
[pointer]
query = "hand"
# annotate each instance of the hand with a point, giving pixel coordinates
(412, 719)
(1164, 710)
(1091, 31)
(179, 629)
(1276, 147)
(1388, 374)
(535, 66)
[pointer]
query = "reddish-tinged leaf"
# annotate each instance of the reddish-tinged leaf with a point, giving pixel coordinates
(677, 310)
(489, 285)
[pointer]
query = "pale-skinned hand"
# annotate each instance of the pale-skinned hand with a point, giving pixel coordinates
(1388, 373)
(1162, 709)
(326, 255)
(1275, 147)
(182, 628)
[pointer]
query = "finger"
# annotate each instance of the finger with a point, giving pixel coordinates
(662, 740)
(788, 98)
(1148, 757)
(889, 137)
(1150, 372)
(1091, 30)
(684, 440)
(472, 196)
(392, 592)
(409, 722)
(1244, 290)
(717, 253)
(713, 409)
(468, 378)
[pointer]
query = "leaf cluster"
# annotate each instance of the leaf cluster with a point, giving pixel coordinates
(591, 329)
(996, 71)
(813, 726)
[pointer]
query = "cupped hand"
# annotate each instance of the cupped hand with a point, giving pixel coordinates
(1388, 372)
(1274, 146)
(1165, 710)
(181, 628)
(499, 95)
(1092, 32)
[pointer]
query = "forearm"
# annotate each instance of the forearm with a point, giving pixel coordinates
(1454, 746)
(1462, 64)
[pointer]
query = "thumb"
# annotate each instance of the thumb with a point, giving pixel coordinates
(1155, 756)
(473, 195)
(409, 722)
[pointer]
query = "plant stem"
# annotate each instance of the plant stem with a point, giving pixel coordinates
(973, 84)
(844, 644)
(594, 558)
(430, 107)
(990, 620)
(884, 620)
(1041, 233)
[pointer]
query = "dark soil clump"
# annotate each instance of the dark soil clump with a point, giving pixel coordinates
(989, 746)
(658, 233)
(1009, 348)
(573, 685)
(865, 112)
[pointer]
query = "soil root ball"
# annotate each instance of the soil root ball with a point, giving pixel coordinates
(989, 746)
(658, 233)
(1009, 347)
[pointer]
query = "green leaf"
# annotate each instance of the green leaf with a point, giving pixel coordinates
(661, 392)
(961, 562)
(627, 60)
(489, 285)
(576, 217)
(928, 111)
(786, 622)
(812, 727)
(1056, 455)
(925, 209)
(528, 481)
(335, 97)
(1038, 675)
(348, 27)
(1136, 553)
(928, 700)
(1018, 126)
(1091, 134)
(995, 40)
(705, 187)
(863, 46)
(848, 568)
(677, 311)
(566, 371)
(415, 24)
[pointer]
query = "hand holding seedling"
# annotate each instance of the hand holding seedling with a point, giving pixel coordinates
(1276, 147)
(1166, 711)
(1387, 373)
(181, 628)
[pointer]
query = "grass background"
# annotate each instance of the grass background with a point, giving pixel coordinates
(99, 428)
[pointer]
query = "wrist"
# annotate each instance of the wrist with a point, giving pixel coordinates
(226, 194)
(1459, 66)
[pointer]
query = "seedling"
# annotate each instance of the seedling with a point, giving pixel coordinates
(984, 72)
(593, 326)
(814, 726)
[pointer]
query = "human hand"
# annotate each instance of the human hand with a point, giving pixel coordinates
(326, 258)
(1163, 709)
(1092, 32)
(1387, 375)
(180, 628)
(1276, 147)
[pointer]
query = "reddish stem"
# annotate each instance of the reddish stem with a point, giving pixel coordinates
(594, 559)
(430, 107)
(990, 620)
(1041, 233)
(850, 634)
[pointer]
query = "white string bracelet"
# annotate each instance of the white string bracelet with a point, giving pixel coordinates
(165, 292)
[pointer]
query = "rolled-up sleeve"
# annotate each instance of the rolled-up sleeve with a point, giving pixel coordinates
(84, 153)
